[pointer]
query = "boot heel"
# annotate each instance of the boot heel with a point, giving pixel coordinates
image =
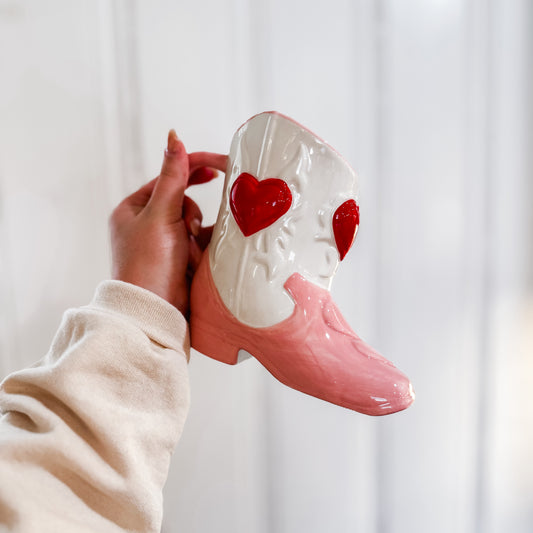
(213, 345)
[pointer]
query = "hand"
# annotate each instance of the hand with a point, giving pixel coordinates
(156, 234)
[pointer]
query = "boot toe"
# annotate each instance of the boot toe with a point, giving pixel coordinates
(396, 395)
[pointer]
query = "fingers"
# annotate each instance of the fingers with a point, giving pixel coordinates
(208, 159)
(198, 237)
(197, 246)
(204, 237)
(203, 167)
(192, 216)
(141, 196)
(202, 175)
(179, 170)
(133, 204)
(195, 256)
(170, 186)
(199, 163)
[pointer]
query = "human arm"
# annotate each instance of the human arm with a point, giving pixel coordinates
(87, 433)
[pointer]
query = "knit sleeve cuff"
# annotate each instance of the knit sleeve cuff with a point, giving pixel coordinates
(157, 318)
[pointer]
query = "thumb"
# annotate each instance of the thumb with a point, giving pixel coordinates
(170, 187)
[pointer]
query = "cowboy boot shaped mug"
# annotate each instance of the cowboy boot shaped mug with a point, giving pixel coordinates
(288, 216)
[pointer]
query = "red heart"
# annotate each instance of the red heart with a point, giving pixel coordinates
(345, 225)
(257, 204)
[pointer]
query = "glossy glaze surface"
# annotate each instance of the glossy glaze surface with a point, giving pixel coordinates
(345, 226)
(250, 270)
(255, 204)
(314, 350)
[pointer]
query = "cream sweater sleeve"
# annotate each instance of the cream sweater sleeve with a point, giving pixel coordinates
(87, 433)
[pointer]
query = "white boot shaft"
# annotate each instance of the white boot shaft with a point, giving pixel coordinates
(249, 272)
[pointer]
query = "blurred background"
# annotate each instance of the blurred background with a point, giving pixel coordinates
(431, 101)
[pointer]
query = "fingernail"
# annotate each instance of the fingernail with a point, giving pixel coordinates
(202, 175)
(205, 174)
(195, 226)
(173, 143)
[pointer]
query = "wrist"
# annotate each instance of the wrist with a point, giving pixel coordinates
(175, 295)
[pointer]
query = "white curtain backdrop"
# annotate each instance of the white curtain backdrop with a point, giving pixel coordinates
(431, 102)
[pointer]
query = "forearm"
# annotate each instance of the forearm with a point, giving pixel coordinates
(87, 433)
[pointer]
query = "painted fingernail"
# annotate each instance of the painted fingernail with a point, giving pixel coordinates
(195, 226)
(202, 175)
(173, 143)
